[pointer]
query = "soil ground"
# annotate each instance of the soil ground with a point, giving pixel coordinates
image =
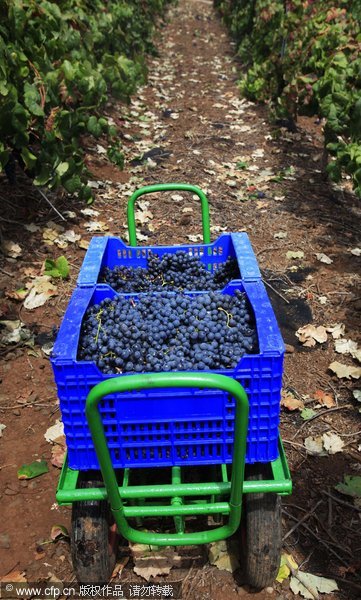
(260, 178)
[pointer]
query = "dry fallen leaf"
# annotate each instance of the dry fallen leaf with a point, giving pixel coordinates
(348, 347)
(143, 216)
(221, 556)
(84, 244)
(11, 249)
(58, 452)
(40, 291)
(95, 226)
(119, 566)
(344, 371)
(280, 235)
(356, 251)
(50, 235)
(332, 442)
(261, 204)
(314, 446)
(324, 399)
(31, 272)
(148, 572)
(293, 255)
(328, 443)
(324, 258)
(52, 225)
(31, 227)
(54, 432)
(309, 585)
(309, 335)
(14, 577)
(13, 332)
(357, 395)
(150, 561)
(337, 330)
(100, 149)
(258, 153)
(89, 212)
(17, 295)
(345, 346)
(290, 402)
(194, 238)
(68, 236)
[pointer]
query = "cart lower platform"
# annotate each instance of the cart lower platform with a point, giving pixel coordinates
(117, 497)
(69, 490)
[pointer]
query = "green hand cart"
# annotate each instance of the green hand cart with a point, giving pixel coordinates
(243, 500)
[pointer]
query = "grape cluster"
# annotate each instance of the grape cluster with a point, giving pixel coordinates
(178, 271)
(168, 332)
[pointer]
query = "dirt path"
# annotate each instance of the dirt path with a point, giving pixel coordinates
(260, 179)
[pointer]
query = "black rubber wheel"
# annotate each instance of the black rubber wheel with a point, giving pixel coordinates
(261, 532)
(93, 540)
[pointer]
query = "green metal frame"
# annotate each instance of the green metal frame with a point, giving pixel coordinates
(68, 491)
(168, 187)
(177, 491)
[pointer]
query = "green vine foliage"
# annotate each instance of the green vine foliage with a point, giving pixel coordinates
(59, 63)
(304, 57)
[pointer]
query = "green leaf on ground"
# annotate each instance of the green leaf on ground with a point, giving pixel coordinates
(241, 165)
(58, 268)
(287, 561)
(308, 413)
(33, 469)
(58, 531)
(351, 486)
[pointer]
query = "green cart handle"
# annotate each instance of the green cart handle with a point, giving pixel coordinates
(168, 187)
(176, 380)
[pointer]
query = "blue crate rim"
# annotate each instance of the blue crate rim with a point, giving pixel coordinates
(93, 260)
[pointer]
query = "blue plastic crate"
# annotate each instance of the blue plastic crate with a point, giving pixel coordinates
(112, 251)
(166, 427)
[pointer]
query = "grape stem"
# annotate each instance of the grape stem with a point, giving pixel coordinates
(99, 319)
(229, 315)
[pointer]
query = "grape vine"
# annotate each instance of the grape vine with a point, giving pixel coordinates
(303, 57)
(59, 63)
